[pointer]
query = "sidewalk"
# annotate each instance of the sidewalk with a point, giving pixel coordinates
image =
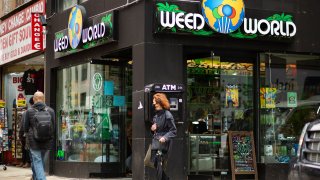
(18, 173)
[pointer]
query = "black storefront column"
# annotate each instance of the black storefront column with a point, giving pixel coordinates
(156, 63)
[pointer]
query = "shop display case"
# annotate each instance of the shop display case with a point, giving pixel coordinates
(208, 154)
(16, 121)
(4, 140)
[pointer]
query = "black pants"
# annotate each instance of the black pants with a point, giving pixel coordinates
(25, 153)
(160, 163)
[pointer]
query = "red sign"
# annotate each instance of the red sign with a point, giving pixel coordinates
(21, 18)
(36, 32)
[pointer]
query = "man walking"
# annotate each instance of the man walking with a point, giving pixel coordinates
(39, 126)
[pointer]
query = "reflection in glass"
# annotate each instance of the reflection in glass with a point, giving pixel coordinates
(219, 99)
(91, 113)
(288, 99)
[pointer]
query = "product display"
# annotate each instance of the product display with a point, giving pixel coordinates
(4, 140)
(16, 144)
(208, 153)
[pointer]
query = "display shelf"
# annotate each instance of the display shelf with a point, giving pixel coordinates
(206, 154)
(4, 139)
(16, 146)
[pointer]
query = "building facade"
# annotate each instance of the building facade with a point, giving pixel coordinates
(244, 66)
(22, 67)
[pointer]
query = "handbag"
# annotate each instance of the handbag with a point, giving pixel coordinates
(147, 159)
(157, 145)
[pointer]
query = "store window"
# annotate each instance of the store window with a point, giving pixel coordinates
(289, 98)
(66, 4)
(92, 113)
(219, 99)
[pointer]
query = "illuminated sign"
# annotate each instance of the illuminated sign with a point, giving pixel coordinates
(78, 37)
(36, 29)
(226, 18)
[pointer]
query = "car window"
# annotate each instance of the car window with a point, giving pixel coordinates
(297, 118)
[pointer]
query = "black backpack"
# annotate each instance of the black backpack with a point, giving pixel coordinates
(43, 127)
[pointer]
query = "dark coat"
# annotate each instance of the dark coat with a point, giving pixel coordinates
(165, 125)
(21, 130)
(29, 124)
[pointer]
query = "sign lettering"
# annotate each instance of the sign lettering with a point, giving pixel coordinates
(36, 27)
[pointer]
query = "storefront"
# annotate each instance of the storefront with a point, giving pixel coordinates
(22, 68)
(259, 75)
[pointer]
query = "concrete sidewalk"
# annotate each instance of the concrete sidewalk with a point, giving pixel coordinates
(18, 173)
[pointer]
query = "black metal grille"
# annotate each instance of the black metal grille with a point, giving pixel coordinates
(312, 153)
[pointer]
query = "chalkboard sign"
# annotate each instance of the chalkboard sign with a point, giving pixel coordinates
(242, 153)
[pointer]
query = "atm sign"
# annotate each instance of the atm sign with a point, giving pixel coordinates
(168, 87)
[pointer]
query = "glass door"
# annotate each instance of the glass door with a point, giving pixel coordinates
(220, 99)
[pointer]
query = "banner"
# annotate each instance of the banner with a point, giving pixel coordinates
(36, 32)
(21, 18)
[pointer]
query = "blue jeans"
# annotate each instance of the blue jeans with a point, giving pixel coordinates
(37, 157)
(32, 168)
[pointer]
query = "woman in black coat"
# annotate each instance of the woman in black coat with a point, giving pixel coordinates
(164, 130)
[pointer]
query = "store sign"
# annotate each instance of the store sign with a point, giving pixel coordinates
(225, 18)
(16, 34)
(21, 18)
(19, 91)
(81, 35)
(167, 87)
(36, 31)
(16, 44)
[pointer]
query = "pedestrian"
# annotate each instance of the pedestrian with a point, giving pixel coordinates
(22, 136)
(39, 126)
(164, 130)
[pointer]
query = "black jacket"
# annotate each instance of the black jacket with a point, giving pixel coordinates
(165, 125)
(29, 124)
(21, 130)
(29, 82)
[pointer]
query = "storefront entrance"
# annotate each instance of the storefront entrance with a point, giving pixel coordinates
(94, 109)
(219, 100)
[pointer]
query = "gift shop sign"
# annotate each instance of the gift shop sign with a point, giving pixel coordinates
(20, 96)
(16, 34)
(83, 33)
(224, 19)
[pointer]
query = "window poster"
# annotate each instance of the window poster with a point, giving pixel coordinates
(292, 99)
(262, 97)
(232, 96)
(270, 97)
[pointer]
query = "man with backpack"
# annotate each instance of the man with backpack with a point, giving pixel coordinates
(39, 127)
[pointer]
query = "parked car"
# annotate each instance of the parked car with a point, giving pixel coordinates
(306, 165)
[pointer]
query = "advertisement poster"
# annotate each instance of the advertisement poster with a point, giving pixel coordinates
(232, 96)
(270, 96)
(292, 100)
(262, 97)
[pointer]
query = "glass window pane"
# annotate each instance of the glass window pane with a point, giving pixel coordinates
(219, 99)
(92, 112)
(289, 98)
(68, 4)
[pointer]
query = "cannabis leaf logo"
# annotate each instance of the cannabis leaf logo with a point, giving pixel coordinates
(282, 17)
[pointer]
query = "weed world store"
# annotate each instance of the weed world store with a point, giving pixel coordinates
(243, 65)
